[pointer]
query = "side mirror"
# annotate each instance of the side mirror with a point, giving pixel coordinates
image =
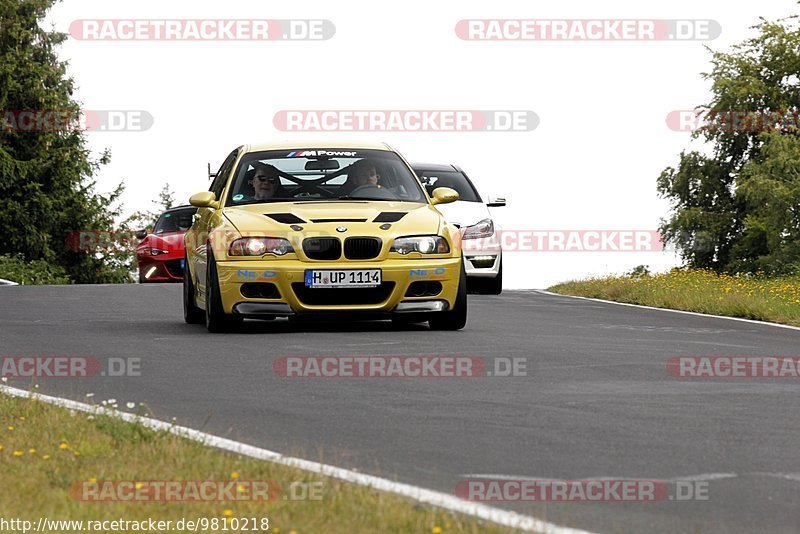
(496, 202)
(140, 234)
(444, 195)
(205, 199)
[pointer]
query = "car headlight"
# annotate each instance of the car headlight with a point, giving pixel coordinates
(153, 252)
(426, 244)
(485, 228)
(258, 246)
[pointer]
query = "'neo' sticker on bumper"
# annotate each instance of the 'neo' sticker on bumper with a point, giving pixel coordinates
(255, 276)
(429, 274)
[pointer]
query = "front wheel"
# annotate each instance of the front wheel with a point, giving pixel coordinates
(216, 318)
(456, 318)
(191, 313)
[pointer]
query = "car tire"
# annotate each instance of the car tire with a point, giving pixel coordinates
(217, 320)
(456, 318)
(493, 286)
(191, 313)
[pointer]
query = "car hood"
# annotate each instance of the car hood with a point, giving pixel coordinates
(359, 217)
(462, 213)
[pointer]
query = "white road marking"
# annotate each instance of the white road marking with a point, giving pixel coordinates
(794, 477)
(740, 319)
(690, 478)
(703, 477)
(431, 497)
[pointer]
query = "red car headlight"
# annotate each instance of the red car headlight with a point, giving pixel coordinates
(148, 251)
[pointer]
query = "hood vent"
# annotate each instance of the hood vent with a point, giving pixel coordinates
(389, 216)
(285, 218)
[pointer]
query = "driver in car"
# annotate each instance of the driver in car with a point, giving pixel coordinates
(365, 174)
(266, 182)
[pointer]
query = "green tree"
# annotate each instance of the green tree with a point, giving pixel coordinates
(166, 198)
(769, 186)
(146, 219)
(735, 209)
(46, 187)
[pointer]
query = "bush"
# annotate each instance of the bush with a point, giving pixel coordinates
(37, 272)
(639, 271)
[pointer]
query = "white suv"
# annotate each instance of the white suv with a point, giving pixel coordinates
(482, 251)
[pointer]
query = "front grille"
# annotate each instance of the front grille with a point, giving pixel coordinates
(331, 296)
(362, 248)
(174, 268)
(424, 289)
(260, 290)
(322, 248)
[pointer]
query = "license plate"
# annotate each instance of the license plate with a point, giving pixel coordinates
(343, 278)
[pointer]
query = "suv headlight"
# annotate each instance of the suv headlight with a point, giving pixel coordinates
(426, 244)
(258, 246)
(485, 228)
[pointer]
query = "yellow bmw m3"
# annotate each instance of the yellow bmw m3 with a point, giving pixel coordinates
(343, 229)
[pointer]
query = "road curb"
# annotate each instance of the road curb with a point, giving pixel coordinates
(425, 496)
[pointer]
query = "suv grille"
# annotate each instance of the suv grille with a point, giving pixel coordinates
(362, 248)
(322, 248)
(330, 296)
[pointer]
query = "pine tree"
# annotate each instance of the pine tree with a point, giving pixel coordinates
(47, 191)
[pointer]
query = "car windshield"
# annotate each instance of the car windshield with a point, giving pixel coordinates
(174, 221)
(452, 179)
(320, 175)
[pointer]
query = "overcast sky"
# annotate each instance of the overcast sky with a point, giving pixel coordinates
(590, 164)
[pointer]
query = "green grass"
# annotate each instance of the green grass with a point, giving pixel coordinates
(45, 450)
(765, 299)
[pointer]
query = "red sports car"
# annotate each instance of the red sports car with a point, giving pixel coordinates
(160, 254)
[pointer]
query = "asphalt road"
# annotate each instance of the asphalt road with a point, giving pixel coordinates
(596, 402)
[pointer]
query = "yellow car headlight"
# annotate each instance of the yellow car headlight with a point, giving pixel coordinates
(425, 244)
(258, 246)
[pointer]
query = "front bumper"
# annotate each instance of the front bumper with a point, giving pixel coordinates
(482, 257)
(290, 295)
(160, 269)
